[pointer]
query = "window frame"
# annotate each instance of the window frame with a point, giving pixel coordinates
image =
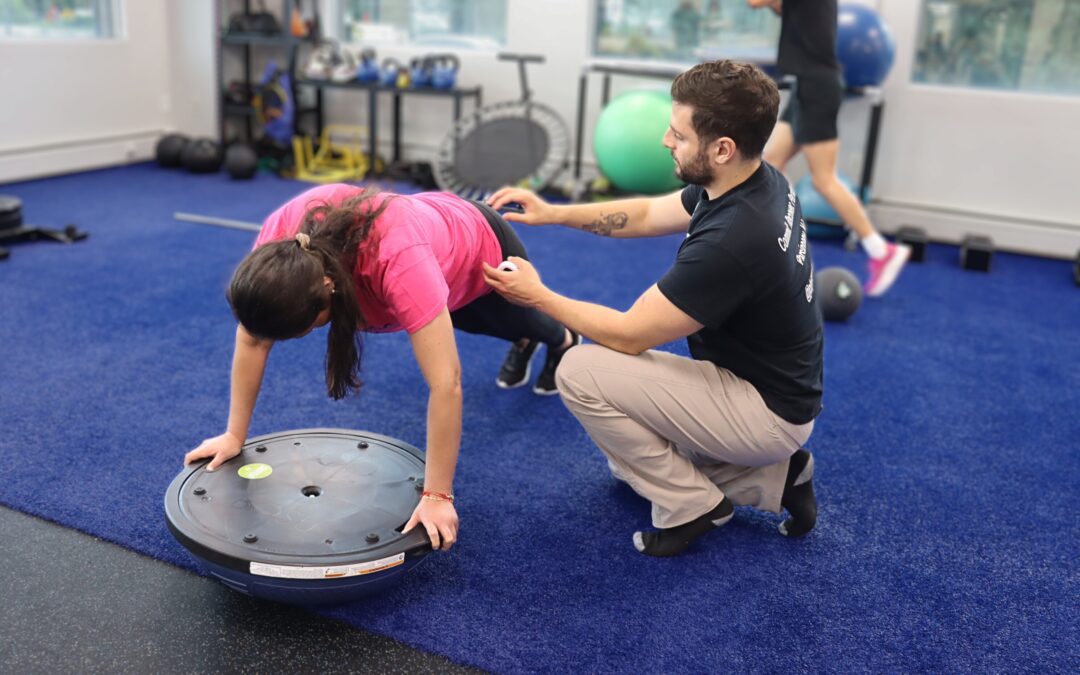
(343, 33)
(765, 54)
(1020, 89)
(117, 17)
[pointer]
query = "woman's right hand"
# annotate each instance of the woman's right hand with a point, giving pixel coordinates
(534, 210)
(222, 448)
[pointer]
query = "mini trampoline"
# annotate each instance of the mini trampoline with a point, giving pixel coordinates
(518, 142)
(305, 517)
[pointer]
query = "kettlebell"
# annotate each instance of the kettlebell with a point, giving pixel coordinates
(391, 72)
(420, 71)
(444, 73)
(369, 67)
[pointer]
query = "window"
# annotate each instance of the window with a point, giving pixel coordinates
(469, 24)
(1026, 45)
(64, 19)
(685, 30)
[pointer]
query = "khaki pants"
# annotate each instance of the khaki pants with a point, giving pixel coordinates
(683, 433)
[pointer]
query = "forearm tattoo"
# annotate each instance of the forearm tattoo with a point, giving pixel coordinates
(606, 224)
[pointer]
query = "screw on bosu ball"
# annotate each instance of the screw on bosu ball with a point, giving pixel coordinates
(302, 517)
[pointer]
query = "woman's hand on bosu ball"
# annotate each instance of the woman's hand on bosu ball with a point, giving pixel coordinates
(221, 448)
(439, 518)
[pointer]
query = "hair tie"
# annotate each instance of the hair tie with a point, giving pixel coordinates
(304, 240)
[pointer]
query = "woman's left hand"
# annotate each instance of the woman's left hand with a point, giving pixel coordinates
(439, 518)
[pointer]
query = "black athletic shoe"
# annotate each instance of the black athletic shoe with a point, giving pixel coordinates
(545, 384)
(799, 499)
(517, 366)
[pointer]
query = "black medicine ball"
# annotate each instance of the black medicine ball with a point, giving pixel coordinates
(241, 161)
(839, 293)
(169, 148)
(203, 155)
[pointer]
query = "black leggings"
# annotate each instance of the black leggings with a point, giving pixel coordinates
(493, 315)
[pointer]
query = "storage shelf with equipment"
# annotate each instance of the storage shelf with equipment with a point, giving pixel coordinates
(244, 29)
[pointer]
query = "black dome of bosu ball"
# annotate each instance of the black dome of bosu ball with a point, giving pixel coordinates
(306, 517)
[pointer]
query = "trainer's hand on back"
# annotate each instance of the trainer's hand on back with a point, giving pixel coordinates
(221, 448)
(535, 211)
(439, 518)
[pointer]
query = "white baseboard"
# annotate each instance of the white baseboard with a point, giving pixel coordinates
(69, 156)
(1052, 240)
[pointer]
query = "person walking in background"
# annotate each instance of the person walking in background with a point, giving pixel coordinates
(808, 124)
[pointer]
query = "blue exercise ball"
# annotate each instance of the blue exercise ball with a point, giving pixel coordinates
(864, 45)
(822, 221)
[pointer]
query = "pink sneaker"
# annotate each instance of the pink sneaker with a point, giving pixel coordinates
(883, 272)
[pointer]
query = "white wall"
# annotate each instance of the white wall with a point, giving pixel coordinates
(192, 46)
(73, 105)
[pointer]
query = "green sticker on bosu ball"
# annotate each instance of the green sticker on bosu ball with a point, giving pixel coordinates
(255, 471)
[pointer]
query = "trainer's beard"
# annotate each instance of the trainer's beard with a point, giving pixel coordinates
(697, 172)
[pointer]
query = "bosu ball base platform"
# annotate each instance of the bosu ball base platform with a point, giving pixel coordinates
(305, 517)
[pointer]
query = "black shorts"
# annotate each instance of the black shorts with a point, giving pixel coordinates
(812, 108)
(492, 314)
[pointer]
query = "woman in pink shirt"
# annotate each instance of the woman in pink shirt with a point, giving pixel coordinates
(360, 260)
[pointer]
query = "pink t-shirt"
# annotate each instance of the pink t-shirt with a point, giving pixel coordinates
(427, 257)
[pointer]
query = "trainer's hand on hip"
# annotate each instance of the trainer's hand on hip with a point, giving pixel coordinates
(439, 518)
(535, 211)
(521, 286)
(222, 448)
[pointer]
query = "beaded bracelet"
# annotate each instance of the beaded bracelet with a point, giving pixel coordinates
(438, 496)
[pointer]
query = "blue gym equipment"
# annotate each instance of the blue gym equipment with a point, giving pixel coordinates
(864, 45)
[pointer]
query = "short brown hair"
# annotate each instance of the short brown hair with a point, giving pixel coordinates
(730, 99)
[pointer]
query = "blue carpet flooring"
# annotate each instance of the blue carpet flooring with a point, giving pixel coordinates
(948, 453)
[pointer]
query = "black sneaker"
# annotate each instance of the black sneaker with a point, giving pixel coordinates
(517, 366)
(798, 498)
(545, 384)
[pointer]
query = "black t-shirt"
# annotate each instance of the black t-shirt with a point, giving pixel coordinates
(808, 38)
(744, 272)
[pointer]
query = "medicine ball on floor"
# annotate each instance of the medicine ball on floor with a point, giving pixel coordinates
(169, 149)
(839, 293)
(202, 155)
(241, 161)
(306, 517)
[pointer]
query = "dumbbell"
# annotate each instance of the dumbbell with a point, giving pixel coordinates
(976, 253)
(916, 239)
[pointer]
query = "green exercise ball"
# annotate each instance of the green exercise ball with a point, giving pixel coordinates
(629, 143)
